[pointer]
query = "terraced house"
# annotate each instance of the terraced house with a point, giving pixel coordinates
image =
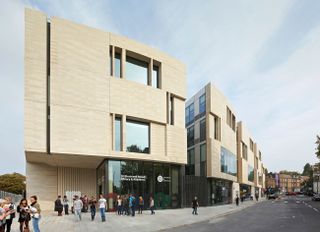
(103, 114)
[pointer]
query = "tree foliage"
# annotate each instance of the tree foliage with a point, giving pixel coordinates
(318, 147)
(307, 170)
(13, 183)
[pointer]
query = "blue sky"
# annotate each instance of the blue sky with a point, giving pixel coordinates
(264, 56)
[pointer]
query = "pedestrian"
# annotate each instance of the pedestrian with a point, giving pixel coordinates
(102, 207)
(4, 212)
(65, 203)
(35, 213)
(119, 204)
(92, 204)
(141, 204)
(58, 206)
(132, 204)
(77, 207)
(24, 215)
(85, 203)
(152, 205)
(195, 205)
(12, 207)
(237, 200)
(126, 205)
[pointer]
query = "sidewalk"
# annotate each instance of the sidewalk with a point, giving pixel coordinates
(163, 219)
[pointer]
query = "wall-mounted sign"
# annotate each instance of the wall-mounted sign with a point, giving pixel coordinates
(133, 178)
(161, 179)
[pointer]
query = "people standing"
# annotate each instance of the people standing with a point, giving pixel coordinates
(12, 208)
(65, 203)
(195, 205)
(126, 205)
(85, 203)
(102, 207)
(4, 212)
(152, 205)
(141, 204)
(77, 207)
(237, 200)
(92, 204)
(132, 204)
(35, 213)
(119, 205)
(24, 215)
(58, 206)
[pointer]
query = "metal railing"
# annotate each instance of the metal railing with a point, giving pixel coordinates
(15, 197)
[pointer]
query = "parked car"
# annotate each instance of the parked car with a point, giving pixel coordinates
(316, 197)
(273, 196)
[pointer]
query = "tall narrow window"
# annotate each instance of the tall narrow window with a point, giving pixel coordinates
(190, 136)
(203, 158)
(171, 110)
(202, 104)
(110, 58)
(189, 113)
(202, 130)
(217, 127)
(155, 77)
(244, 151)
(117, 65)
(190, 168)
(136, 70)
(117, 134)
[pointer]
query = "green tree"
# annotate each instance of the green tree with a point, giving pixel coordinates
(318, 147)
(307, 169)
(13, 183)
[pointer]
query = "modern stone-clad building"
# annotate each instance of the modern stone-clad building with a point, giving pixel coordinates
(105, 114)
(211, 172)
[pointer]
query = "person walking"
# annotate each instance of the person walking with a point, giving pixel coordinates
(24, 215)
(92, 204)
(12, 208)
(119, 204)
(58, 206)
(152, 205)
(237, 200)
(77, 207)
(65, 203)
(35, 213)
(141, 204)
(132, 205)
(85, 203)
(102, 207)
(195, 205)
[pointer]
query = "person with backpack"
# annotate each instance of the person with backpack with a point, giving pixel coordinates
(24, 215)
(141, 204)
(58, 206)
(132, 204)
(12, 207)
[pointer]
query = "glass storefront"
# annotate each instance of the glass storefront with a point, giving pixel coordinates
(161, 181)
(220, 191)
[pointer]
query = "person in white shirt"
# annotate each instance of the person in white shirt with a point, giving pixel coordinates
(77, 206)
(102, 207)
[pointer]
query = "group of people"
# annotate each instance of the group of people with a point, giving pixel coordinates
(26, 211)
(127, 204)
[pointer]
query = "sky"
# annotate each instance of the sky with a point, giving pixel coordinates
(263, 55)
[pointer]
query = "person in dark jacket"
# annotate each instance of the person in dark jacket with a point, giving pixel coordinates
(237, 200)
(92, 204)
(24, 215)
(195, 205)
(58, 206)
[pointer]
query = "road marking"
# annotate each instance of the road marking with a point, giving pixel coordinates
(315, 209)
(309, 206)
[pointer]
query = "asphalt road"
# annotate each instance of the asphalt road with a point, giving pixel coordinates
(294, 214)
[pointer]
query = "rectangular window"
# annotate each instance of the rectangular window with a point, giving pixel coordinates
(171, 110)
(250, 173)
(217, 130)
(155, 77)
(118, 134)
(233, 123)
(190, 168)
(136, 70)
(202, 130)
(189, 113)
(117, 64)
(190, 136)
(202, 104)
(110, 58)
(244, 151)
(203, 159)
(260, 155)
(137, 137)
(251, 145)
(228, 162)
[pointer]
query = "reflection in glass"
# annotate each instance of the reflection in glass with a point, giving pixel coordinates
(155, 77)
(228, 162)
(202, 104)
(250, 173)
(117, 64)
(137, 137)
(136, 70)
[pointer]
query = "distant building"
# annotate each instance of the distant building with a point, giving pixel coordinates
(316, 178)
(292, 183)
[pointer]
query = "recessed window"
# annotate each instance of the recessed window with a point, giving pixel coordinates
(190, 136)
(228, 162)
(118, 134)
(202, 104)
(250, 173)
(202, 130)
(244, 151)
(190, 167)
(189, 113)
(117, 64)
(155, 77)
(203, 158)
(136, 70)
(137, 137)
(217, 130)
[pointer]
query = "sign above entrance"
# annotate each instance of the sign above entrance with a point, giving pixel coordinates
(133, 178)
